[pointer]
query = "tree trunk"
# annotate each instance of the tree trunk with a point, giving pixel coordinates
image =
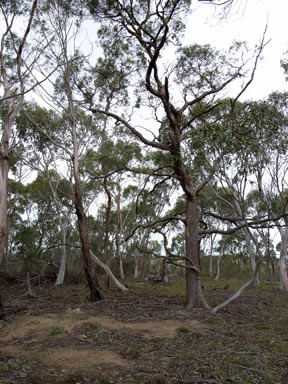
(107, 225)
(118, 231)
(63, 230)
(14, 106)
(165, 271)
(251, 253)
(2, 312)
(95, 294)
(62, 269)
(3, 197)
(212, 238)
(92, 280)
(219, 260)
(283, 257)
(194, 296)
(239, 291)
(136, 254)
(109, 272)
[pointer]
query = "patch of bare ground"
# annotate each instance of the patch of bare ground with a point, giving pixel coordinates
(142, 337)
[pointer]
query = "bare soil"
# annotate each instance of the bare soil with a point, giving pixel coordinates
(144, 336)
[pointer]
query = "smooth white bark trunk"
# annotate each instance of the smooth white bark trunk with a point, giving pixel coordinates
(109, 272)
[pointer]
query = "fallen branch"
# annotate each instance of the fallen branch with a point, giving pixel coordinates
(239, 292)
(109, 272)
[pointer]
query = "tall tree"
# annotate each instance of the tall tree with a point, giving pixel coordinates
(181, 93)
(15, 69)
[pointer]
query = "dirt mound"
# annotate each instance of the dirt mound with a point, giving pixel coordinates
(30, 337)
(161, 329)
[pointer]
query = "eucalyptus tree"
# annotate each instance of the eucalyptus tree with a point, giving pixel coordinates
(15, 67)
(79, 131)
(62, 23)
(34, 231)
(174, 96)
(37, 130)
(245, 141)
(273, 197)
(109, 165)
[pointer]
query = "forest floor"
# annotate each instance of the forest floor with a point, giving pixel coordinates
(144, 336)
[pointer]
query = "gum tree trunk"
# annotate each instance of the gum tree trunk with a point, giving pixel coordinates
(118, 231)
(194, 296)
(3, 196)
(62, 268)
(95, 294)
(92, 280)
(136, 255)
(107, 226)
(283, 257)
(14, 105)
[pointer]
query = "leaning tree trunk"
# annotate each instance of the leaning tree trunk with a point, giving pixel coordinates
(78, 192)
(239, 291)
(81, 217)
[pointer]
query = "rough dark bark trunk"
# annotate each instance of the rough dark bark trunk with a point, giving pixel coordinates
(2, 312)
(95, 294)
(3, 198)
(194, 296)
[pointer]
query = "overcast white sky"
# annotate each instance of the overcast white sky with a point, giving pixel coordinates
(246, 22)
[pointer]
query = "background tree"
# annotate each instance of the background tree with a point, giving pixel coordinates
(15, 66)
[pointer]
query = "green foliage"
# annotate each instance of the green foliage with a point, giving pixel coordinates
(36, 125)
(13, 7)
(56, 331)
(112, 156)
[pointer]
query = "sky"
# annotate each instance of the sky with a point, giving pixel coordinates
(247, 21)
